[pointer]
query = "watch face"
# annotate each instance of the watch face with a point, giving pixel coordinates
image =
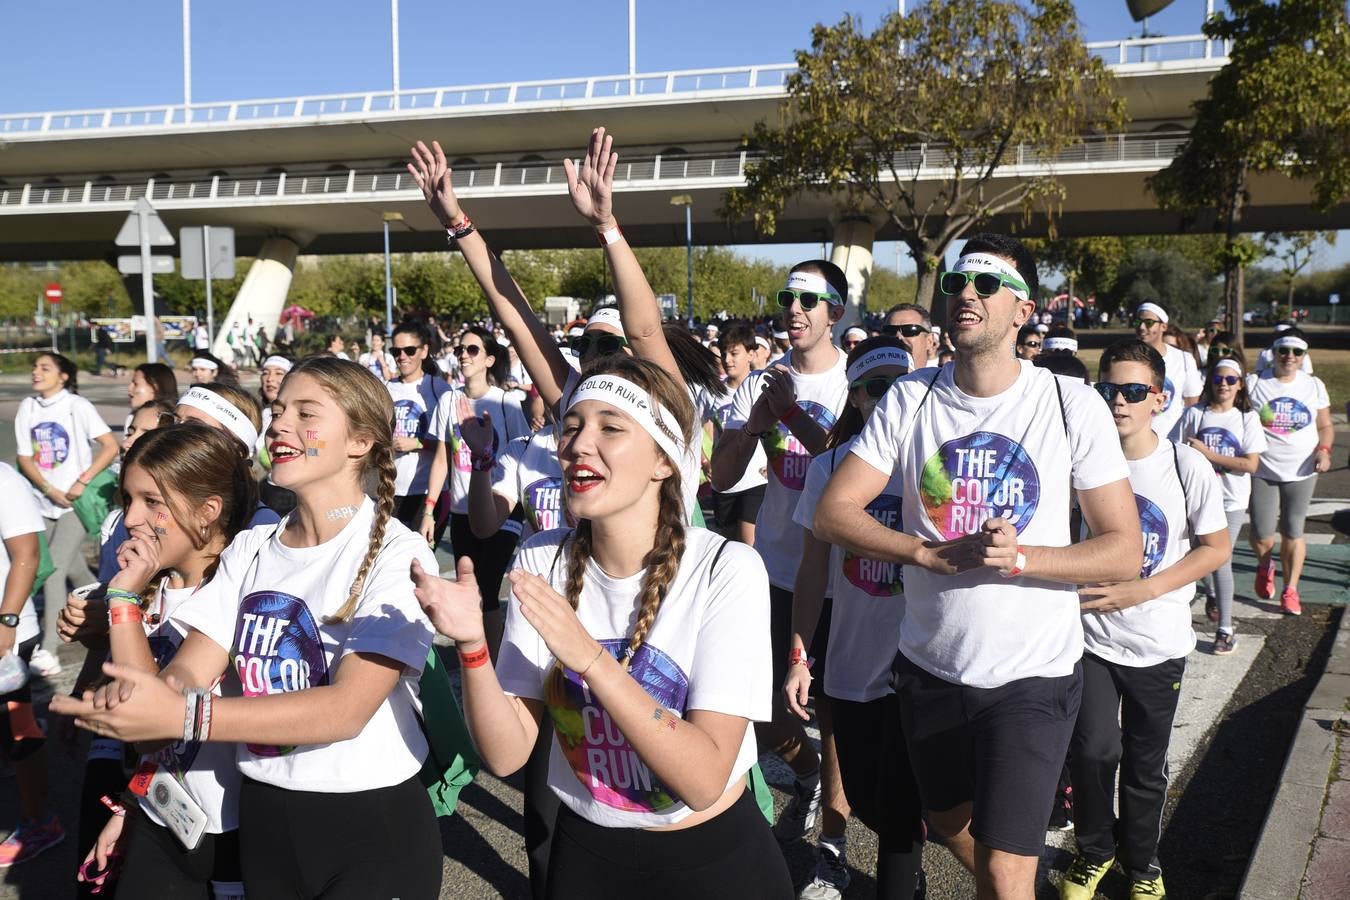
(10, 619)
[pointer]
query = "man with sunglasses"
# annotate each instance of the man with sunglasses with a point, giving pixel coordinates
(415, 394)
(1029, 342)
(913, 326)
(1182, 384)
(988, 674)
(788, 409)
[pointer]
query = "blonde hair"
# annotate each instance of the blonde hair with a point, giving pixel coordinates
(369, 410)
(663, 560)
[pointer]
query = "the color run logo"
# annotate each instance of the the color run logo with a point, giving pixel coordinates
(408, 418)
(51, 444)
(277, 649)
(1153, 524)
(873, 576)
(543, 503)
(604, 762)
(1220, 441)
(787, 457)
(463, 455)
(1169, 393)
(1284, 415)
(977, 477)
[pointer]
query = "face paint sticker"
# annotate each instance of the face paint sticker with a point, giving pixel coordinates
(312, 451)
(161, 526)
(311, 434)
(977, 477)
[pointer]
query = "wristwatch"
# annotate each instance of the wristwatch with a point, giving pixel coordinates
(9, 619)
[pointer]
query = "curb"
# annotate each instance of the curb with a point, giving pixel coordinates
(1280, 859)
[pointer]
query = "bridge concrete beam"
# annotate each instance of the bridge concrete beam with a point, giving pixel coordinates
(261, 297)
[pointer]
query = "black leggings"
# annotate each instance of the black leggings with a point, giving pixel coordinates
(366, 844)
(158, 866)
(490, 556)
(733, 856)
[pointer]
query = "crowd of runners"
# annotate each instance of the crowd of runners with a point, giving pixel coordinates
(970, 559)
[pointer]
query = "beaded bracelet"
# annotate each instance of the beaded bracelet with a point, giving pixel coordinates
(117, 595)
(463, 229)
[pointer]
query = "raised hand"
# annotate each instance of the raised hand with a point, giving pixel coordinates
(592, 188)
(774, 400)
(137, 706)
(555, 620)
(454, 607)
(475, 431)
(139, 558)
(82, 618)
(432, 174)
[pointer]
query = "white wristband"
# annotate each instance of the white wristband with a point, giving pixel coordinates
(1019, 563)
(613, 236)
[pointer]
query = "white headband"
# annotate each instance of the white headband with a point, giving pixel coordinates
(631, 399)
(987, 262)
(1290, 340)
(1283, 326)
(763, 341)
(224, 412)
(202, 363)
(810, 281)
(606, 315)
(1153, 308)
(277, 362)
(575, 331)
(880, 356)
(1228, 364)
(1061, 343)
(855, 330)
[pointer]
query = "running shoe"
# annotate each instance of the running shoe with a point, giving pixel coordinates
(1265, 579)
(44, 663)
(1289, 602)
(1061, 817)
(1080, 882)
(30, 839)
(921, 889)
(1148, 889)
(1212, 609)
(1225, 642)
(799, 816)
(831, 878)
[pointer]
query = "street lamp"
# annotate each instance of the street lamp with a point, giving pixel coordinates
(688, 203)
(388, 278)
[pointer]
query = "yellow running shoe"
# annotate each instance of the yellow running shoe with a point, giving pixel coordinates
(1081, 880)
(1150, 889)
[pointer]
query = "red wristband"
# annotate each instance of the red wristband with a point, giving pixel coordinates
(119, 613)
(791, 414)
(474, 659)
(1323, 448)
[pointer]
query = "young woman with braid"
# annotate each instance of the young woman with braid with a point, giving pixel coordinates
(647, 643)
(318, 617)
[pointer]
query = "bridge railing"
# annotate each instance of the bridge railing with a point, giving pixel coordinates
(709, 169)
(769, 80)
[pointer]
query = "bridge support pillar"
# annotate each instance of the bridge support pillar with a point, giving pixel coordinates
(262, 295)
(852, 252)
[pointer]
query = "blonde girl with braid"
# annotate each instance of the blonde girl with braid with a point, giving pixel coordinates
(318, 618)
(645, 641)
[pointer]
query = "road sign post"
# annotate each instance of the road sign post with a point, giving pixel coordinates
(144, 229)
(208, 253)
(1335, 301)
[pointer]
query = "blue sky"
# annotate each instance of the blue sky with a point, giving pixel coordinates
(91, 54)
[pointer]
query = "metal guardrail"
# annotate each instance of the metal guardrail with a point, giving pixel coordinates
(768, 80)
(1156, 147)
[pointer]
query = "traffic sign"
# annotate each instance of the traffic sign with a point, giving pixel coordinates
(1334, 299)
(131, 265)
(217, 244)
(53, 293)
(130, 235)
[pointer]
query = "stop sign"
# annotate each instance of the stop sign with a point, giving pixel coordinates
(53, 293)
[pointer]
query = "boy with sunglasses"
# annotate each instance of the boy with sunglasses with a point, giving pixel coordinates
(788, 409)
(1181, 383)
(415, 394)
(1136, 635)
(991, 450)
(1029, 342)
(913, 326)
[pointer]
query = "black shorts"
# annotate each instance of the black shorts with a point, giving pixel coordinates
(1001, 749)
(780, 634)
(20, 731)
(874, 766)
(742, 506)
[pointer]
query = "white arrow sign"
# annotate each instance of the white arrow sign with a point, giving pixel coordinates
(130, 235)
(144, 229)
(131, 265)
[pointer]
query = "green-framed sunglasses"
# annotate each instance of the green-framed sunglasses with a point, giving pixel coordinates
(986, 283)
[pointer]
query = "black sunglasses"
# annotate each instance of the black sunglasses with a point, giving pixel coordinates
(401, 351)
(1034, 345)
(1229, 380)
(1133, 392)
(876, 386)
(471, 349)
(912, 329)
(1287, 351)
(808, 299)
(1144, 323)
(605, 344)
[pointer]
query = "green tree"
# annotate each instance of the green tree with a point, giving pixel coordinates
(916, 120)
(1147, 273)
(1281, 104)
(1295, 251)
(1088, 264)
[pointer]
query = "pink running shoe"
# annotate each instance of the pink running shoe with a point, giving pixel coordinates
(1289, 603)
(30, 839)
(1265, 579)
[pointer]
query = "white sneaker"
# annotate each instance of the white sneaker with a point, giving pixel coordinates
(831, 878)
(44, 663)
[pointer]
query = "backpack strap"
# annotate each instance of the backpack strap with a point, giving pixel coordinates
(1063, 413)
(1186, 501)
(558, 555)
(716, 556)
(932, 381)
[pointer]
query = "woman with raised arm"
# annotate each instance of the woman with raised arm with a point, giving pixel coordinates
(318, 616)
(647, 642)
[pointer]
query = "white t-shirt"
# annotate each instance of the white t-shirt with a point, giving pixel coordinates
(19, 515)
(1182, 380)
(756, 473)
(206, 770)
(1160, 629)
(266, 605)
(707, 649)
(372, 362)
(1266, 360)
(57, 433)
(821, 396)
(1231, 433)
(1288, 412)
(413, 407)
(528, 473)
(508, 423)
(965, 459)
(869, 598)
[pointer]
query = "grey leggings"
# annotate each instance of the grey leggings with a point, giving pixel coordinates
(65, 541)
(1219, 584)
(1289, 499)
